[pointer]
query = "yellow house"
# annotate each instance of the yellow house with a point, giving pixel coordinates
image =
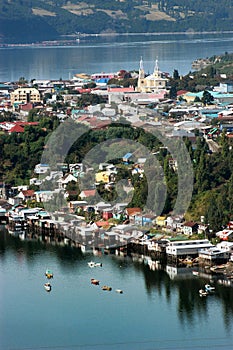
(160, 220)
(103, 176)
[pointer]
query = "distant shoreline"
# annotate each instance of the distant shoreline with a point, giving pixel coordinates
(76, 38)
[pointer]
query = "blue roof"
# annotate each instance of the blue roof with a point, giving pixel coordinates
(127, 156)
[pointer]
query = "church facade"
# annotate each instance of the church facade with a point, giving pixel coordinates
(154, 82)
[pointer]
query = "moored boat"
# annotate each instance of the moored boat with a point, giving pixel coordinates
(94, 264)
(120, 291)
(195, 273)
(48, 274)
(209, 288)
(203, 293)
(94, 281)
(47, 287)
(107, 288)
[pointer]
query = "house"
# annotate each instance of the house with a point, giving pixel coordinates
(62, 183)
(190, 227)
(25, 95)
(87, 194)
(127, 157)
(225, 235)
(107, 214)
(101, 206)
(132, 212)
(43, 196)
(214, 254)
(77, 205)
(26, 195)
(41, 168)
(144, 220)
(186, 248)
(105, 177)
(160, 221)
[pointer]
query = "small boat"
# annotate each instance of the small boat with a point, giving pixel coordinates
(209, 288)
(47, 287)
(195, 273)
(93, 264)
(94, 281)
(48, 274)
(107, 288)
(120, 291)
(203, 293)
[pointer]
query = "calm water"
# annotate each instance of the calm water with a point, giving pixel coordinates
(111, 54)
(154, 312)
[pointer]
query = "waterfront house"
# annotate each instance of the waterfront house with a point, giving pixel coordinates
(214, 254)
(176, 249)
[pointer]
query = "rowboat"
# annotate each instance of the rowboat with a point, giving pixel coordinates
(48, 274)
(47, 287)
(106, 288)
(94, 281)
(94, 264)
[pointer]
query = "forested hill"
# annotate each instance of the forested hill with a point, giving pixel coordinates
(36, 20)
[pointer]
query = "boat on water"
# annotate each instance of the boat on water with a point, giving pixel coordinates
(94, 264)
(107, 288)
(195, 273)
(120, 291)
(49, 274)
(47, 287)
(95, 282)
(209, 288)
(203, 293)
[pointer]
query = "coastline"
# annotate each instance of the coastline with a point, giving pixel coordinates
(76, 38)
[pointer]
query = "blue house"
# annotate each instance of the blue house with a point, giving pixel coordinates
(127, 158)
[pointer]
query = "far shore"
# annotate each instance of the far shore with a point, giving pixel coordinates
(77, 37)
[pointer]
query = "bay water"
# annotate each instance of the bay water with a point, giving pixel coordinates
(110, 54)
(157, 309)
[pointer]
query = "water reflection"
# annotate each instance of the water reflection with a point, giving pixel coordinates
(178, 286)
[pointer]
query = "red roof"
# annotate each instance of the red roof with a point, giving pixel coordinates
(181, 92)
(28, 193)
(133, 211)
(88, 193)
(190, 223)
(16, 128)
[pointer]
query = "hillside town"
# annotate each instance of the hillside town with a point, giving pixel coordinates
(89, 222)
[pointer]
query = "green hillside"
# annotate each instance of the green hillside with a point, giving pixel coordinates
(36, 20)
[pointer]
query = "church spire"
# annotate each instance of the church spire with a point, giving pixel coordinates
(156, 69)
(141, 69)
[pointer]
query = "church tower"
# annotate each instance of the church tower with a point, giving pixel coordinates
(141, 76)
